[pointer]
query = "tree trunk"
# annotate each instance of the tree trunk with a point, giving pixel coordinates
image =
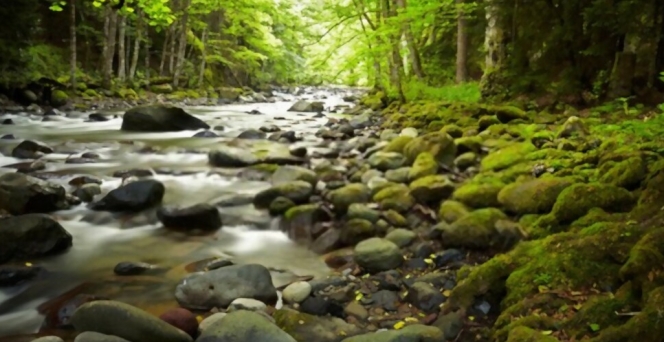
(396, 66)
(147, 57)
(182, 47)
(110, 35)
(122, 67)
(137, 45)
(171, 54)
(72, 43)
(201, 75)
(462, 46)
(162, 65)
(414, 55)
(659, 56)
(494, 44)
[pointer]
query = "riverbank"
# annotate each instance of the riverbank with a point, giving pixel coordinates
(457, 222)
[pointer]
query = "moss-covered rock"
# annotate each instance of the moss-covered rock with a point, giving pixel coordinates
(453, 130)
(280, 205)
(506, 114)
(438, 144)
(126, 94)
(229, 94)
(304, 327)
(345, 196)
(296, 191)
(475, 230)
(395, 219)
(398, 144)
(479, 194)
(507, 156)
(628, 173)
(525, 334)
(356, 230)
(161, 88)
(363, 211)
(90, 93)
(399, 175)
(450, 211)
(376, 255)
(384, 161)
(416, 332)
(465, 160)
(468, 144)
(59, 98)
(575, 201)
(424, 165)
(536, 196)
(289, 173)
(395, 197)
(487, 121)
(573, 127)
(431, 189)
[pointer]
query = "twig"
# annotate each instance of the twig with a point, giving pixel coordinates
(627, 313)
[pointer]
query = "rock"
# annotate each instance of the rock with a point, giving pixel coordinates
(11, 275)
(297, 191)
(91, 336)
(232, 158)
(182, 319)
(343, 197)
(220, 287)
(22, 194)
(299, 152)
(450, 211)
(50, 339)
(356, 230)
(270, 129)
(246, 304)
(395, 197)
(401, 237)
(289, 173)
(400, 175)
(29, 149)
(125, 321)
(479, 194)
(465, 160)
(507, 156)
(368, 175)
(31, 235)
(280, 205)
(363, 211)
(450, 324)
(438, 144)
(355, 309)
(535, 196)
(211, 321)
(431, 189)
(398, 144)
(320, 306)
(395, 219)
(252, 134)
(297, 292)
(487, 121)
(327, 242)
(409, 132)
(376, 254)
(244, 326)
(132, 197)
(156, 118)
(411, 333)
(206, 134)
(97, 117)
(575, 201)
(475, 231)
(129, 268)
(424, 165)
(425, 297)
(305, 327)
(87, 192)
(138, 173)
(199, 216)
(299, 221)
(384, 161)
(308, 107)
(573, 126)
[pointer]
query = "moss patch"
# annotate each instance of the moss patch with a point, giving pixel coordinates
(507, 156)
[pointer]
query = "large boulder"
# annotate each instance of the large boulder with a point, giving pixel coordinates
(535, 196)
(22, 194)
(218, 288)
(377, 255)
(431, 189)
(439, 144)
(125, 321)
(476, 230)
(343, 197)
(411, 333)
(297, 191)
(31, 235)
(132, 197)
(575, 201)
(244, 326)
(29, 149)
(306, 106)
(200, 216)
(160, 119)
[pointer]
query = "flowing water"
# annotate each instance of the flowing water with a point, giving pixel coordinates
(101, 240)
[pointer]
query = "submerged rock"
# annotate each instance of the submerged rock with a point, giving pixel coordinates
(125, 321)
(297, 191)
(160, 119)
(220, 287)
(200, 216)
(91, 336)
(306, 106)
(29, 149)
(11, 275)
(31, 235)
(21, 194)
(135, 196)
(128, 268)
(229, 157)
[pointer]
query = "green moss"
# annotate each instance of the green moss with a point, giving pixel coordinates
(398, 144)
(193, 94)
(487, 121)
(525, 334)
(396, 197)
(126, 94)
(506, 114)
(352, 193)
(161, 88)
(304, 209)
(395, 219)
(507, 156)
(535, 196)
(59, 98)
(469, 144)
(267, 168)
(280, 205)
(576, 200)
(479, 194)
(453, 130)
(440, 145)
(645, 326)
(431, 189)
(450, 211)
(91, 93)
(627, 173)
(424, 165)
(356, 230)
(475, 230)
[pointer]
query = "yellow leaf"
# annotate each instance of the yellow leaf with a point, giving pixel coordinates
(29, 264)
(428, 261)
(432, 256)
(547, 332)
(359, 296)
(342, 333)
(301, 321)
(399, 325)
(578, 307)
(408, 276)
(542, 288)
(366, 276)
(199, 318)
(576, 293)
(405, 294)
(472, 318)
(447, 293)
(411, 319)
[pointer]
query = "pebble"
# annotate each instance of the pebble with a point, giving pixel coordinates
(211, 320)
(246, 304)
(297, 292)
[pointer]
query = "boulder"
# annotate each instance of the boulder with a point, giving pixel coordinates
(395, 197)
(29, 149)
(411, 333)
(289, 173)
(384, 161)
(431, 189)
(343, 197)
(252, 134)
(424, 165)
(157, 118)
(218, 288)
(476, 230)
(307, 327)
(300, 220)
(306, 106)
(297, 292)
(244, 326)
(450, 211)
(364, 212)
(132, 197)
(297, 191)
(22, 194)
(125, 321)
(200, 216)
(182, 319)
(479, 194)
(439, 144)
(535, 196)
(246, 304)
(401, 237)
(31, 235)
(376, 255)
(356, 230)
(231, 157)
(575, 201)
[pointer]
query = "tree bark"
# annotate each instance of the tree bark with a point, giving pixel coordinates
(414, 55)
(171, 54)
(147, 57)
(182, 47)
(109, 46)
(201, 75)
(137, 45)
(122, 65)
(494, 44)
(72, 43)
(462, 46)
(164, 55)
(396, 66)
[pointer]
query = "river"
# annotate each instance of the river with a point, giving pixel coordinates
(102, 240)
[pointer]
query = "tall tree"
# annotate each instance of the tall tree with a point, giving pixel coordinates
(137, 45)
(110, 33)
(122, 68)
(462, 45)
(182, 46)
(72, 43)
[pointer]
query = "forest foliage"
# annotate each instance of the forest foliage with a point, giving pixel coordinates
(576, 51)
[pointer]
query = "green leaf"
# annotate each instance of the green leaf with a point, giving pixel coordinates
(594, 327)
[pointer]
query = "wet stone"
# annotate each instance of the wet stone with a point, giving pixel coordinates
(425, 297)
(128, 268)
(206, 134)
(447, 257)
(415, 264)
(11, 275)
(91, 336)
(132, 173)
(81, 180)
(388, 280)
(384, 299)
(320, 307)
(182, 319)
(200, 216)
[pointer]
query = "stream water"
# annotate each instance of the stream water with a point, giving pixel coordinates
(102, 240)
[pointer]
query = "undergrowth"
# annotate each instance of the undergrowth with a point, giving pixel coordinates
(467, 92)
